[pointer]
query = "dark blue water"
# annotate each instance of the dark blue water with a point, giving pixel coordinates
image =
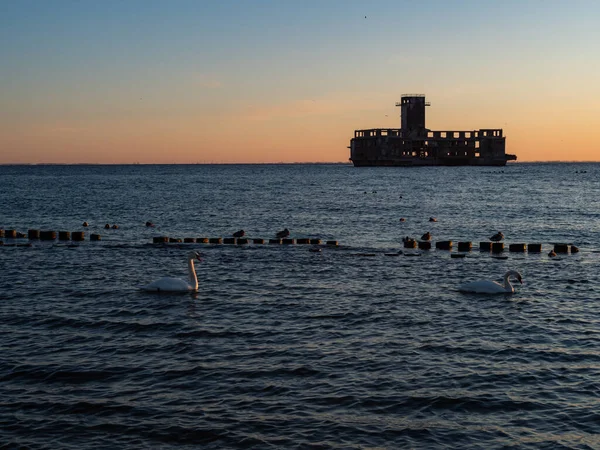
(287, 348)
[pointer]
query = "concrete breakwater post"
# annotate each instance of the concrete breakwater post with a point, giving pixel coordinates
(443, 245)
(77, 236)
(464, 246)
(33, 234)
(424, 245)
(48, 235)
(561, 248)
(485, 246)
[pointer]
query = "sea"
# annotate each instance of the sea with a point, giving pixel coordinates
(356, 344)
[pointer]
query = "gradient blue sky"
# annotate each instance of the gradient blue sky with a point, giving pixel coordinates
(270, 81)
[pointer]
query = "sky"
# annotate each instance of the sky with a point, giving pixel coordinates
(251, 81)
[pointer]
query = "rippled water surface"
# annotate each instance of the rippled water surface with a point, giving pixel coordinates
(356, 346)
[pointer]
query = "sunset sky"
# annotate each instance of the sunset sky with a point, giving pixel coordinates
(282, 81)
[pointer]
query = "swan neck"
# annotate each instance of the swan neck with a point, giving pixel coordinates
(192, 273)
(507, 284)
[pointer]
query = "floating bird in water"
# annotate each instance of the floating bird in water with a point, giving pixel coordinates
(497, 237)
(149, 224)
(492, 287)
(239, 234)
(115, 227)
(552, 254)
(85, 224)
(426, 236)
(107, 226)
(168, 284)
(402, 219)
(283, 233)
(432, 219)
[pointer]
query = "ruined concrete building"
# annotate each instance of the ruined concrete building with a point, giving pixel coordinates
(415, 145)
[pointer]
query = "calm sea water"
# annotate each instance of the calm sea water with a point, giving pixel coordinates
(287, 348)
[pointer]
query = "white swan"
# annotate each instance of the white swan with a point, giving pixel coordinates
(492, 287)
(168, 284)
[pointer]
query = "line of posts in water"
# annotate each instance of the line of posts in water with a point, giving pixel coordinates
(494, 247)
(48, 235)
(241, 241)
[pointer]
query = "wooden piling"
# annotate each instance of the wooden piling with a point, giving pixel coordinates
(497, 247)
(64, 236)
(33, 234)
(465, 246)
(47, 235)
(443, 245)
(77, 236)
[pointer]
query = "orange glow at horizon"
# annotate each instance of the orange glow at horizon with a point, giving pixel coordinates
(301, 131)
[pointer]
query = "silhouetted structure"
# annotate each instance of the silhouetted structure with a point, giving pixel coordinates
(415, 145)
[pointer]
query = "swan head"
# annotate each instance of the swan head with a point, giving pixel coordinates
(514, 274)
(519, 278)
(195, 255)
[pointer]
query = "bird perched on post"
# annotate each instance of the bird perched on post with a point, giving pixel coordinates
(283, 233)
(239, 234)
(426, 236)
(497, 237)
